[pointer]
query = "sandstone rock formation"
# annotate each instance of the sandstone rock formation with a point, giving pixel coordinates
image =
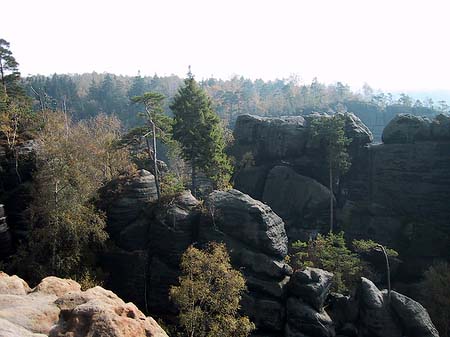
(57, 307)
(395, 193)
(257, 242)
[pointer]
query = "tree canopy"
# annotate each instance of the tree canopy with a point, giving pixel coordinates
(198, 129)
(209, 294)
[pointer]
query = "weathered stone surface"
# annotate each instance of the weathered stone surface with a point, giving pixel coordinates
(124, 199)
(13, 285)
(406, 128)
(376, 317)
(249, 221)
(302, 202)
(440, 127)
(57, 307)
(266, 313)
(9, 329)
(52, 285)
(312, 285)
(270, 139)
(413, 316)
(100, 312)
(301, 317)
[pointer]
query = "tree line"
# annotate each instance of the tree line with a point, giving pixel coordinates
(88, 94)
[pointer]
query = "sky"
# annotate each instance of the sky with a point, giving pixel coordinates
(389, 44)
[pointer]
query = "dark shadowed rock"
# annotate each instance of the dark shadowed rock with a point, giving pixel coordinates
(376, 316)
(440, 127)
(269, 139)
(312, 285)
(124, 199)
(301, 317)
(300, 201)
(406, 128)
(413, 316)
(266, 313)
(249, 221)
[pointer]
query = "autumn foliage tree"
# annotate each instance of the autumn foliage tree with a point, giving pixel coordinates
(209, 294)
(73, 161)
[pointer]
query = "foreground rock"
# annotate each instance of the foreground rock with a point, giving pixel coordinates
(57, 307)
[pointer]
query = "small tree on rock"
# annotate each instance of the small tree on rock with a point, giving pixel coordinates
(152, 102)
(329, 132)
(209, 294)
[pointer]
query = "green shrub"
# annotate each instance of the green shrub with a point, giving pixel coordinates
(436, 296)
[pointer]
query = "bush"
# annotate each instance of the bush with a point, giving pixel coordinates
(209, 294)
(436, 296)
(331, 253)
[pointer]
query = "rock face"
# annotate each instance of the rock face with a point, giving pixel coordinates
(57, 307)
(5, 235)
(288, 171)
(307, 206)
(306, 316)
(257, 242)
(395, 193)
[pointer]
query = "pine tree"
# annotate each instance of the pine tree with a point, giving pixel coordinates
(152, 102)
(197, 127)
(9, 72)
(329, 131)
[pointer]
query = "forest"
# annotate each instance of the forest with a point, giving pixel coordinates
(229, 207)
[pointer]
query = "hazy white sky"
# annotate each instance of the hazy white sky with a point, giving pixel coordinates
(390, 44)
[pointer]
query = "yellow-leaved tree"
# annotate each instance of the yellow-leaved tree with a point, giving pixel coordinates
(209, 294)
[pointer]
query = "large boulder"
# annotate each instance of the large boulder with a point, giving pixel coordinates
(249, 221)
(440, 127)
(57, 307)
(406, 128)
(413, 316)
(123, 199)
(301, 318)
(302, 202)
(257, 243)
(312, 285)
(270, 139)
(376, 316)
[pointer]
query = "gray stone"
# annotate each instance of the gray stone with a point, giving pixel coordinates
(376, 317)
(303, 318)
(440, 127)
(300, 201)
(266, 313)
(406, 128)
(413, 316)
(312, 285)
(249, 221)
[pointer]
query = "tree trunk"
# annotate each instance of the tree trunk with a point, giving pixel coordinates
(155, 162)
(194, 182)
(331, 199)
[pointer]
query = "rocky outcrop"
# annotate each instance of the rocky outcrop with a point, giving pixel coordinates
(394, 193)
(57, 307)
(124, 200)
(414, 318)
(306, 315)
(5, 235)
(257, 242)
(306, 210)
(288, 170)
